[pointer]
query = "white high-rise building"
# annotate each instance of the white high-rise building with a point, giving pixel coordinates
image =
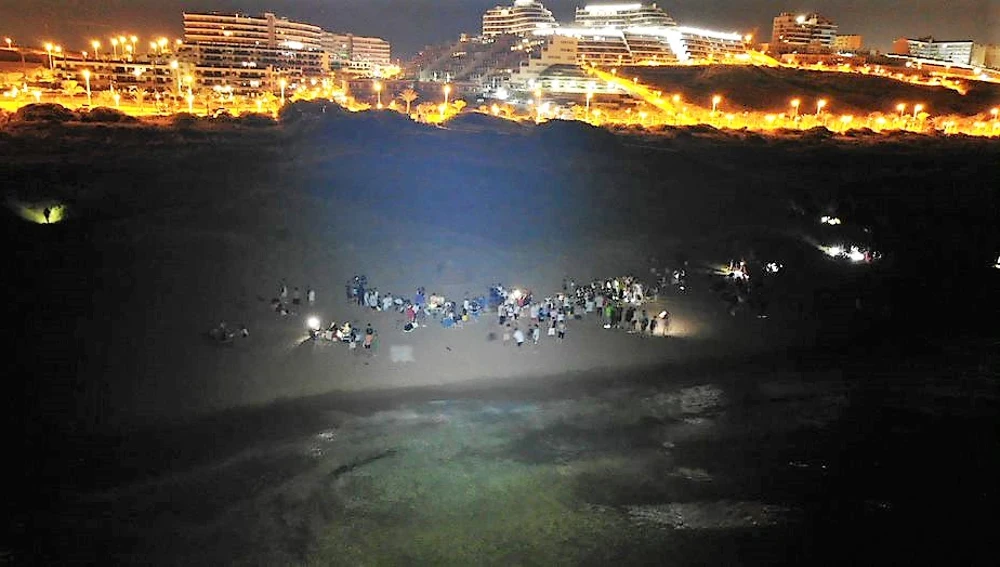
(356, 52)
(643, 45)
(802, 33)
(622, 16)
(522, 18)
(958, 52)
(249, 54)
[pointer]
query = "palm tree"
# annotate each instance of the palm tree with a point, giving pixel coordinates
(408, 96)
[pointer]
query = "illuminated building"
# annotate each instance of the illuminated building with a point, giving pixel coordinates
(959, 52)
(802, 33)
(641, 45)
(622, 16)
(357, 53)
(522, 18)
(986, 55)
(847, 42)
(249, 54)
(263, 31)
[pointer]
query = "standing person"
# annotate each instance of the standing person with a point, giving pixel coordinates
(608, 313)
(561, 330)
(652, 326)
(536, 333)
(629, 316)
(645, 321)
(296, 297)
(311, 296)
(518, 336)
(48, 213)
(283, 291)
(369, 336)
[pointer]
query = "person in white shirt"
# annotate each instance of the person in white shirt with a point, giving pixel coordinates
(518, 336)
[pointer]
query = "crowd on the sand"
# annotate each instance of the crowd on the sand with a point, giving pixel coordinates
(521, 315)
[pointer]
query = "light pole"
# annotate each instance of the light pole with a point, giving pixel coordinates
(538, 104)
(901, 108)
(795, 107)
(447, 91)
(590, 95)
(48, 49)
(283, 83)
(916, 109)
(9, 41)
(114, 46)
(86, 78)
(190, 101)
(97, 48)
(177, 73)
(819, 106)
(995, 112)
(378, 93)
(715, 103)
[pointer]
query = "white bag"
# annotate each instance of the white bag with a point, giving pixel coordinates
(552, 331)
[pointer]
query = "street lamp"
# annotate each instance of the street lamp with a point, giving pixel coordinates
(916, 109)
(447, 91)
(190, 101)
(995, 112)
(715, 103)
(177, 72)
(86, 78)
(97, 48)
(48, 49)
(795, 107)
(819, 106)
(283, 83)
(378, 93)
(114, 46)
(538, 104)
(901, 108)
(9, 42)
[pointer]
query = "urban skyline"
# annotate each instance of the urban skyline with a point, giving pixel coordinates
(880, 22)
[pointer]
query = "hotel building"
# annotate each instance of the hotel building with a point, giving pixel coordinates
(622, 16)
(958, 52)
(250, 53)
(360, 55)
(522, 18)
(802, 33)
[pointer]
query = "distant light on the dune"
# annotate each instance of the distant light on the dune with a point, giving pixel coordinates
(313, 323)
(36, 213)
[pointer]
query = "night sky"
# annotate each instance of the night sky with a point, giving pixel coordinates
(411, 24)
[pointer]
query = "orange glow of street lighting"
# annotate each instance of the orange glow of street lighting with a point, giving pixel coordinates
(820, 104)
(916, 109)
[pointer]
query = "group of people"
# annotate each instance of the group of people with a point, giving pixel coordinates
(281, 304)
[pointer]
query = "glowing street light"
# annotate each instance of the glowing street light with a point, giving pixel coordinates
(114, 46)
(177, 72)
(118, 99)
(9, 41)
(378, 93)
(795, 107)
(901, 108)
(819, 106)
(283, 83)
(495, 109)
(590, 95)
(715, 103)
(48, 49)
(447, 91)
(676, 98)
(190, 101)
(86, 78)
(916, 109)
(97, 48)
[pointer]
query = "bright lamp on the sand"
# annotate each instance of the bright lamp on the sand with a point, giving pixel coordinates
(313, 323)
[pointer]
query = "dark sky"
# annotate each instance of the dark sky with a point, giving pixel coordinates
(410, 24)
